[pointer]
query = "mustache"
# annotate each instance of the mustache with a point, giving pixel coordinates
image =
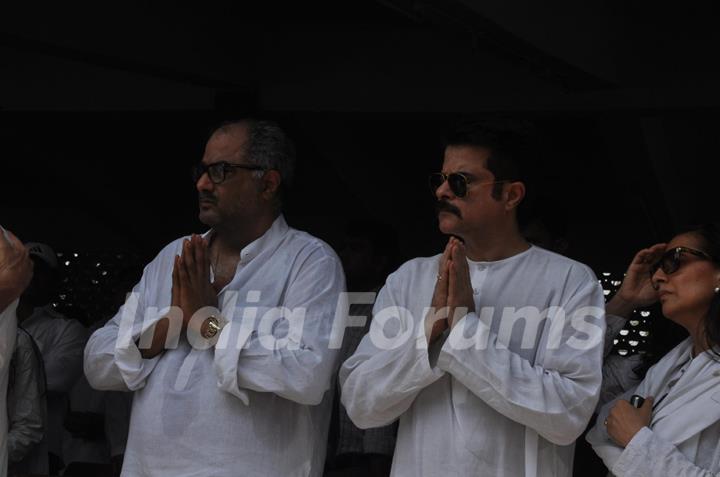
(444, 206)
(206, 196)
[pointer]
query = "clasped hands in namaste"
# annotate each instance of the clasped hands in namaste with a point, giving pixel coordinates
(191, 286)
(453, 296)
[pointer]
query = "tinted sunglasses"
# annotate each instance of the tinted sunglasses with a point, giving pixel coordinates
(670, 261)
(457, 181)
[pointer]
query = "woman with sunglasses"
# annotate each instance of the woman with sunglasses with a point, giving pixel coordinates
(676, 430)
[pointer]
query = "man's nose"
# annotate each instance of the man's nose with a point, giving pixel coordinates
(204, 182)
(444, 191)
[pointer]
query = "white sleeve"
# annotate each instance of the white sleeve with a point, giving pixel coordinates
(648, 455)
(555, 397)
(294, 360)
(380, 383)
(598, 437)
(112, 358)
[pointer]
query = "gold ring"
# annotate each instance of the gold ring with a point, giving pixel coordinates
(439, 277)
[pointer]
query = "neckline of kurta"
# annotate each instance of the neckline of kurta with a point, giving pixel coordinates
(251, 250)
(276, 231)
(485, 264)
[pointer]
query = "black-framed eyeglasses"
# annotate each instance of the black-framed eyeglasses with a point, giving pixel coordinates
(218, 170)
(670, 261)
(457, 181)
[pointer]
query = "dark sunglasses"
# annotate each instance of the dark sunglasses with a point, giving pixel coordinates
(457, 181)
(670, 261)
(218, 170)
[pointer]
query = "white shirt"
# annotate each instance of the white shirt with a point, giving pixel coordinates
(8, 331)
(61, 342)
(682, 437)
(232, 411)
(506, 409)
(112, 407)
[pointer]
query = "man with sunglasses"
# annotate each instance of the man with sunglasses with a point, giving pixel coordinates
(244, 391)
(502, 366)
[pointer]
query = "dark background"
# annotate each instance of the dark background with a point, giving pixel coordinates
(104, 107)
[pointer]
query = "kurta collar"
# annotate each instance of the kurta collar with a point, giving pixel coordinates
(511, 258)
(276, 232)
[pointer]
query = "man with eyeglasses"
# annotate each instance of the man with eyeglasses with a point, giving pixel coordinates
(15, 275)
(489, 354)
(233, 379)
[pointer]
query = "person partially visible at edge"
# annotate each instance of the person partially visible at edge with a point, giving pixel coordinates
(60, 340)
(483, 385)
(369, 252)
(676, 429)
(15, 275)
(242, 391)
(27, 409)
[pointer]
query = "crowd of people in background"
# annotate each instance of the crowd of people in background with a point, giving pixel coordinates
(80, 403)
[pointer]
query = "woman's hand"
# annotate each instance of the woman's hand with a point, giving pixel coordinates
(637, 289)
(624, 420)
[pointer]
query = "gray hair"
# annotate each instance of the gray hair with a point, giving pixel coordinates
(268, 146)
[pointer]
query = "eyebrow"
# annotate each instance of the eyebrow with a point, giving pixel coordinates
(463, 172)
(216, 162)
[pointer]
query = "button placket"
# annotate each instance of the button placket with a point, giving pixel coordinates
(477, 278)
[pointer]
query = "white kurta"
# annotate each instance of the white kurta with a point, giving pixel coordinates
(507, 409)
(8, 323)
(231, 411)
(683, 437)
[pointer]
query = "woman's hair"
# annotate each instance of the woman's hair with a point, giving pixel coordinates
(710, 236)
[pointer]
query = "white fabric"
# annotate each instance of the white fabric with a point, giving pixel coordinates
(231, 410)
(27, 409)
(505, 410)
(61, 342)
(683, 437)
(112, 407)
(8, 332)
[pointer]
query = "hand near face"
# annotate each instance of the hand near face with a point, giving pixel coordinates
(624, 420)
(460, 299)
(636, 289)
(192, 289)
(15, 268)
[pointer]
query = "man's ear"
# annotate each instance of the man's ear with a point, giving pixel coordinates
(514, 194)
(271, 184)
